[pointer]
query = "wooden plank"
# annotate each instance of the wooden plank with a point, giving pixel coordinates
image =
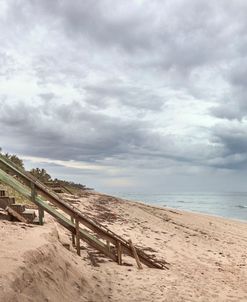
(77, 236)
(73, 235)
(119, 253)
(15, 214)
(144, 258)
(41, 215)
(100, 246)
(139, 265)
(93, 259)
(40, 210)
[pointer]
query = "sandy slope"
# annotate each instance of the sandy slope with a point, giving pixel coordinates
(207, 256)
(36, 267)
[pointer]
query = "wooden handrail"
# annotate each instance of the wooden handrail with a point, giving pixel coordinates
(30, 181)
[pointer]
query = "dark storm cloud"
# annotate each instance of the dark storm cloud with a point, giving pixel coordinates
(106, 92)
(177, 38)
(228, 111)
(71, 131)
(234, 105)
(159, 37)
(47, 96)
(99, 21)
(232, 139)
(183, 35)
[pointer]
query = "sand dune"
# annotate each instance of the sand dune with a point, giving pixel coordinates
(207, 257)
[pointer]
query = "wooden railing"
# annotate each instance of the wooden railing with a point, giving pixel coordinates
(72, 218)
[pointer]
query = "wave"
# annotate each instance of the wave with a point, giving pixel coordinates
(183, 201)
(241, 206)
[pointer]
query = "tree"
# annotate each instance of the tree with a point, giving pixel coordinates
(41, 174)
(15, 159)
(70, 184)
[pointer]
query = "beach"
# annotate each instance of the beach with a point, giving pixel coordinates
(206, 257)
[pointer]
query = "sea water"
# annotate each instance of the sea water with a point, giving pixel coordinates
(230, 205)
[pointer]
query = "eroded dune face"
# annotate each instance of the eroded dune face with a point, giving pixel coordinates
(37, 267)
(48, 276)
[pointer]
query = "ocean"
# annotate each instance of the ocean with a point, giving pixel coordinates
(230, 205)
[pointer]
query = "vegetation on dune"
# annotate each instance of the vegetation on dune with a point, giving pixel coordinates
(71, 184)
(14, 159)
(42, 175)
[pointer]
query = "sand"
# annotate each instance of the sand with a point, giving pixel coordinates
(207, 257)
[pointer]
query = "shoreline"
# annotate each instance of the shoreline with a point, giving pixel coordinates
(177, 209)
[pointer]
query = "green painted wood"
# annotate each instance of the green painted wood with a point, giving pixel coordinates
(67, 223)
(28, 179)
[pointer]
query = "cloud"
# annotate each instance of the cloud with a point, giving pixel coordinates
(109, 92)
(139, 85)
(71, 131)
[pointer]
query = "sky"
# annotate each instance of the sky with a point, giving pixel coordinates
(127, 96)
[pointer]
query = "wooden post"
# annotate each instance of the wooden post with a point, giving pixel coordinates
(119, 253)
(73, 235)
(135, 255)
(78, 247)
(41, 216)
(108, 245)
(41, 211)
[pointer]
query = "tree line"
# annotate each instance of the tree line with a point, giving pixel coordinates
(41, 174)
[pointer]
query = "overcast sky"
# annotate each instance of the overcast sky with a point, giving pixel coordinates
(128, 96)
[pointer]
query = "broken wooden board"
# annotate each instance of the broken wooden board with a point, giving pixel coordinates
(15, 214)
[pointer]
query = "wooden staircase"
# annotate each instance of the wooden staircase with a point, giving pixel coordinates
(95, 235)
(57, 187)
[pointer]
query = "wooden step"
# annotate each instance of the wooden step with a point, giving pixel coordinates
(16, 215)
(20, 208)
(6, 201)
(29, 215)
(20, 213)
(36, 220)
